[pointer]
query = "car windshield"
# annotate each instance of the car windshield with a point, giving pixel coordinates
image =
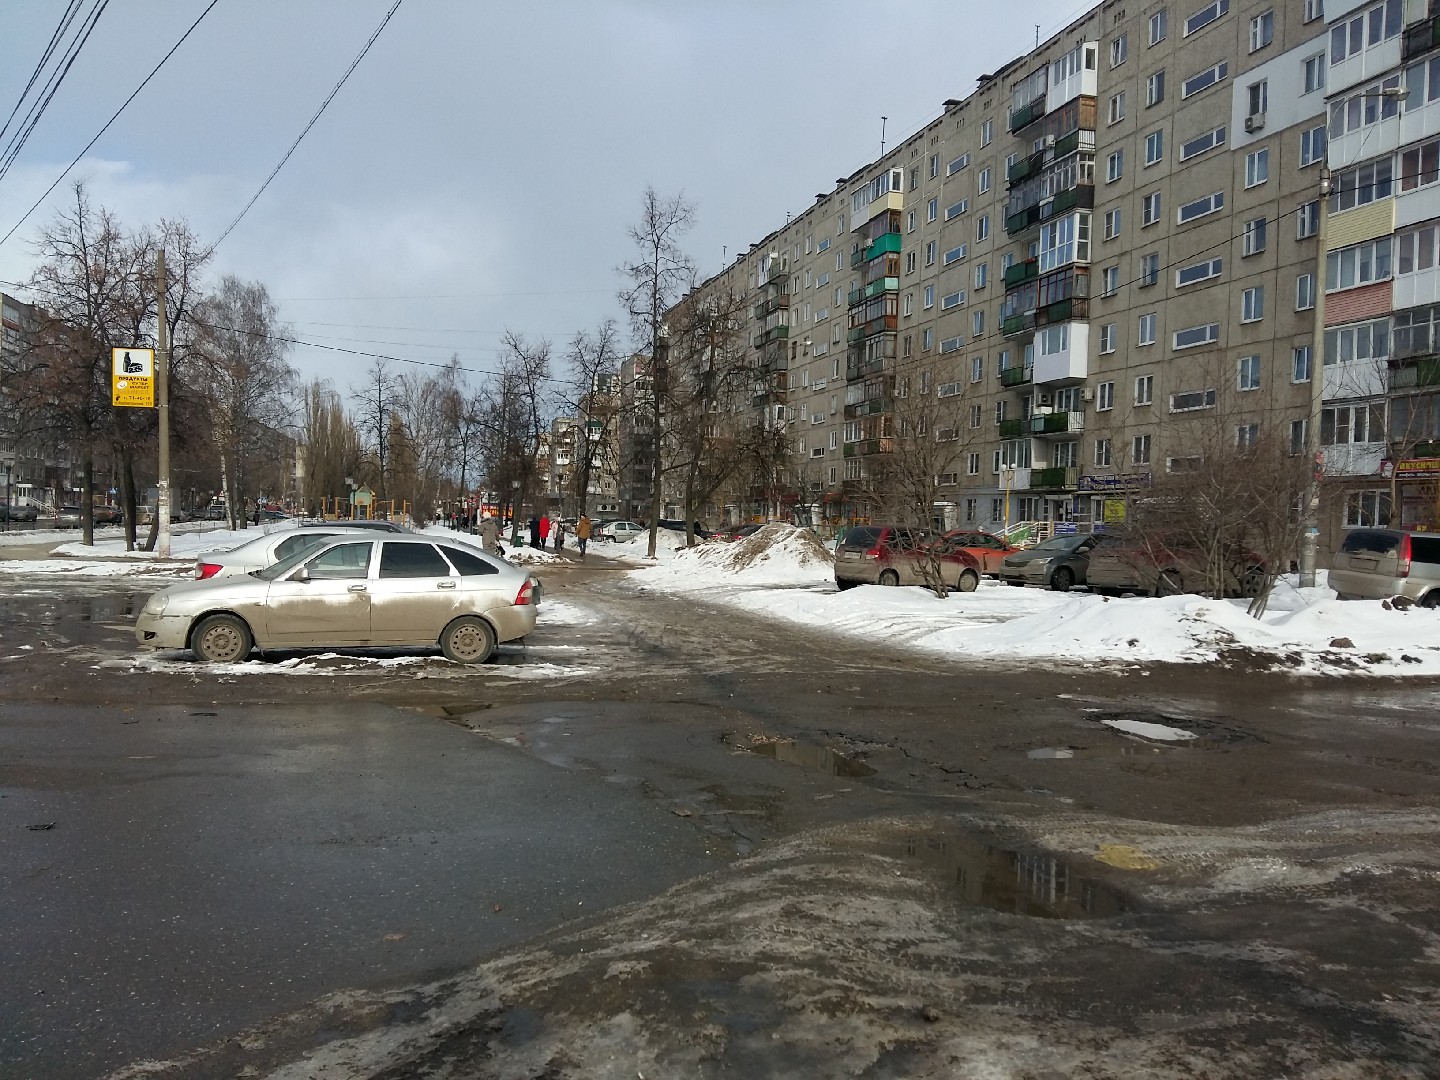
(279, 569)
(1059, 543)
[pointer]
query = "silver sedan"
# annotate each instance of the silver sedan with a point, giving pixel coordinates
(350, 593)
(263, 551)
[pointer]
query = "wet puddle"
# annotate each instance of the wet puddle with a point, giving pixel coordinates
(1030, 883)
(1062, 753)
(810, 756)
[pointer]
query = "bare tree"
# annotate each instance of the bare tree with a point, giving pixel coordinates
(589, 394)
(330, 445)
(516, 407)
(424, 411)
(375, 400)
(250, 388)
(656, 276)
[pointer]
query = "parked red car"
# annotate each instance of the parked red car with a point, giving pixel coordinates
(891, 555)
(987, 548)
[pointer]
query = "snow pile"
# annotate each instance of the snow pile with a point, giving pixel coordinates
(775, 555)
(110, 543)
(668, 543)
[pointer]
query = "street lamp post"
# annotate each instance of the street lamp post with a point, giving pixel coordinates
(8, 468)
(1310, 505)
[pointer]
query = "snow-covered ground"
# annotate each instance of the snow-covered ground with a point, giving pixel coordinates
(107, 557)
(782, 573)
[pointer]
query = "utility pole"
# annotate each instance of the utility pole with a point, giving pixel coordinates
(659, 378)
(1310, 522)
(162, 401)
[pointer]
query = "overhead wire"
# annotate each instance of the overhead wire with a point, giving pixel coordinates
(22, 133)
(72, 8)
(143, 83)
(323, 106)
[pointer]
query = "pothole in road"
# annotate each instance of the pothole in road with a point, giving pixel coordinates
(1018, 882)
(810, 756)
(1173, 730)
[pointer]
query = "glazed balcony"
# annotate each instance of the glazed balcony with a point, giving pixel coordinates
(873, 407)
(868, 447)
(1014, 429)
(1025, 168)
(1076, 307)
(1062, 478)
(858, 296)
(1081, 195)
(1061, 423)
(864, 369)
(771, 305)
(1016, 325)
(1021, 272)
(1022, 219)
(1420, 38)
(1026, 115)
(1423, 372)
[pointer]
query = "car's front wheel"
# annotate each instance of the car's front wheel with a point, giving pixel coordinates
(889, 577)
(468, 640)
(221, 639)
(969, 581)
(1062, 579)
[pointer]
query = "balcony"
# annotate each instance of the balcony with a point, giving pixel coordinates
(1420, 38)
(1022, 219)
(868, 447)
(857, 259)
(1025, 168)
(1424, 372)
(1021, 272)
(775, 333)
(1014, 429)
(854, 372)
(1082, 195)
(1063, 423)
(1054, 478)
(858, 296)
(873, 407)
(885, 244)
(1015, 376)
(1077, 307)
(772, 305)
(1027, 114)
(1018, 324)
(856, 333)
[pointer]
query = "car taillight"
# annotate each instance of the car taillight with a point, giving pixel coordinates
(205, 570)
(875, 552)
(522, 598)
(1402, 557)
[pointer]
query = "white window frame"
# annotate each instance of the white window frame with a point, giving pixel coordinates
(1247, 373)
(1210, 204)
(1211, 332)
(1257, 167)
(1204, 79)
(1145, 328)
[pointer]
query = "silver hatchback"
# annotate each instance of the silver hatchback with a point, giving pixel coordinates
(1373, 564)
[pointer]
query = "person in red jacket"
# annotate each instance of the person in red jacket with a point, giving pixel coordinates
(544, 531)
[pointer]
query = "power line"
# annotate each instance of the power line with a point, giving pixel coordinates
(112, 120)
(71, 9)
(21, 135)
(323, 105)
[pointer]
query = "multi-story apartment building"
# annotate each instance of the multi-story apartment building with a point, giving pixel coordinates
(32, 467)
(1106, 259)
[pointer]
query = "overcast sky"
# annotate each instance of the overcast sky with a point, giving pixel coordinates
(480, 168)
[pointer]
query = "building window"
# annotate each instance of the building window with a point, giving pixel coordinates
(1192, 400)
(977, 323)
(1257, 167)
(1202, 143)
(1149, 269)
(909, 262)
(1140, 450)
(976, 413)
(1361, 341)
(1119, 50)
(1102, 453)
(1203, 80)
(1343, 425)
(1312, 146)
(1117, 108)
(1197, 272)
(1155, 88)
(1262, 30)
(982, 275)
(1259, 94)
(1247, 435)
(932, 209)
(934, 166)
(1154, 147)
(927, 339)
(1112, 224)
(1300, 364)
(1193, 336)
(1110, 281)
(1105, 397)
(1367, 27)
(1107, 338)
(1299, 436)
(1200, 207)
(1365, 509)
(1252, 304)
(930, 248)
(1206, 15)
(929, 301)
(951, 344)
(954, 255)
(1144, 389)
(972, 468)
(1247, 373)
(1149, 209)
(1364, 107)
(1145, 329)
(956, 209)
(982, 228)
(907, 304)
(959, 163)
(983, 182)
(1307, 220)
(1314, 73)
(1314, 9)
(987, 132)
(1157, 27)
(952, 300)
(1366, 183)
(1359, 264)
(910, 222)
(1304, 292)
(1253, 237)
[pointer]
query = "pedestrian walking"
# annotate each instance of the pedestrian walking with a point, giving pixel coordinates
(490, 535)
(559, 535)
(544, 530)
(582, 535)
(534, 532)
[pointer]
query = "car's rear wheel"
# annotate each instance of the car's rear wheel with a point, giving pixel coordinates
(889, 577)
(1252, 582)
(221, 639)
(969, 581)
(1168, 584)
(468, 640)
(843, 585)
(1432, 599)
(1062, 579)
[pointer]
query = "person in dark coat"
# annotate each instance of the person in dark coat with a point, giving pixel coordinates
(534, 532)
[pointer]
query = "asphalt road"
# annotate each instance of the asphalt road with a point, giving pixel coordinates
(904, 863)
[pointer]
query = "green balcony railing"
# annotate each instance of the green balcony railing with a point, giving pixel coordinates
(1021, 272)
(882, 285)
(1077, 307)
(873, 407)
(1057, 423)
(854, 296)
(771, 305)
(1022, 219)
(885, 244)
(775, 333)
(855, 334)
(1420, 38)
(1013, 429)
(1027, 114)
(1067, 145)
(1054, 478)
(1015, 376)
(857, 259)
(1018, 324)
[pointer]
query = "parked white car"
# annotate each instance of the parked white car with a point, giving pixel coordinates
(621, 531)
(263, 551)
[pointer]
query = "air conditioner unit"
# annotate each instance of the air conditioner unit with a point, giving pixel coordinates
(1254, 122)
(1044, 401)
(1048, 142)
(1087, 394)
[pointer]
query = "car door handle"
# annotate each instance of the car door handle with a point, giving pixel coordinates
(357, 588)
(445, 584)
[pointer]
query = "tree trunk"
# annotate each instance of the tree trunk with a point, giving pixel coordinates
(87, 498)
(127, 496)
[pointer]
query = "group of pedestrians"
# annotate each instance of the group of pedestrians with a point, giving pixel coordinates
(544, 532)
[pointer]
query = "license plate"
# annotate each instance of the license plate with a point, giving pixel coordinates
(849, 554)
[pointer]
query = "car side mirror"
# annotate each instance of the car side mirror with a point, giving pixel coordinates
(303, 574)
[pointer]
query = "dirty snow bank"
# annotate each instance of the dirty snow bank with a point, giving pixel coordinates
(778, 554)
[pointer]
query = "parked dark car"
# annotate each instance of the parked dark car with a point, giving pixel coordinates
(892, 555)
(675, 525)
(68, 517)
(215, 513)
(18, 512)
(106, 515)
(1060, 562)
(738, 532)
